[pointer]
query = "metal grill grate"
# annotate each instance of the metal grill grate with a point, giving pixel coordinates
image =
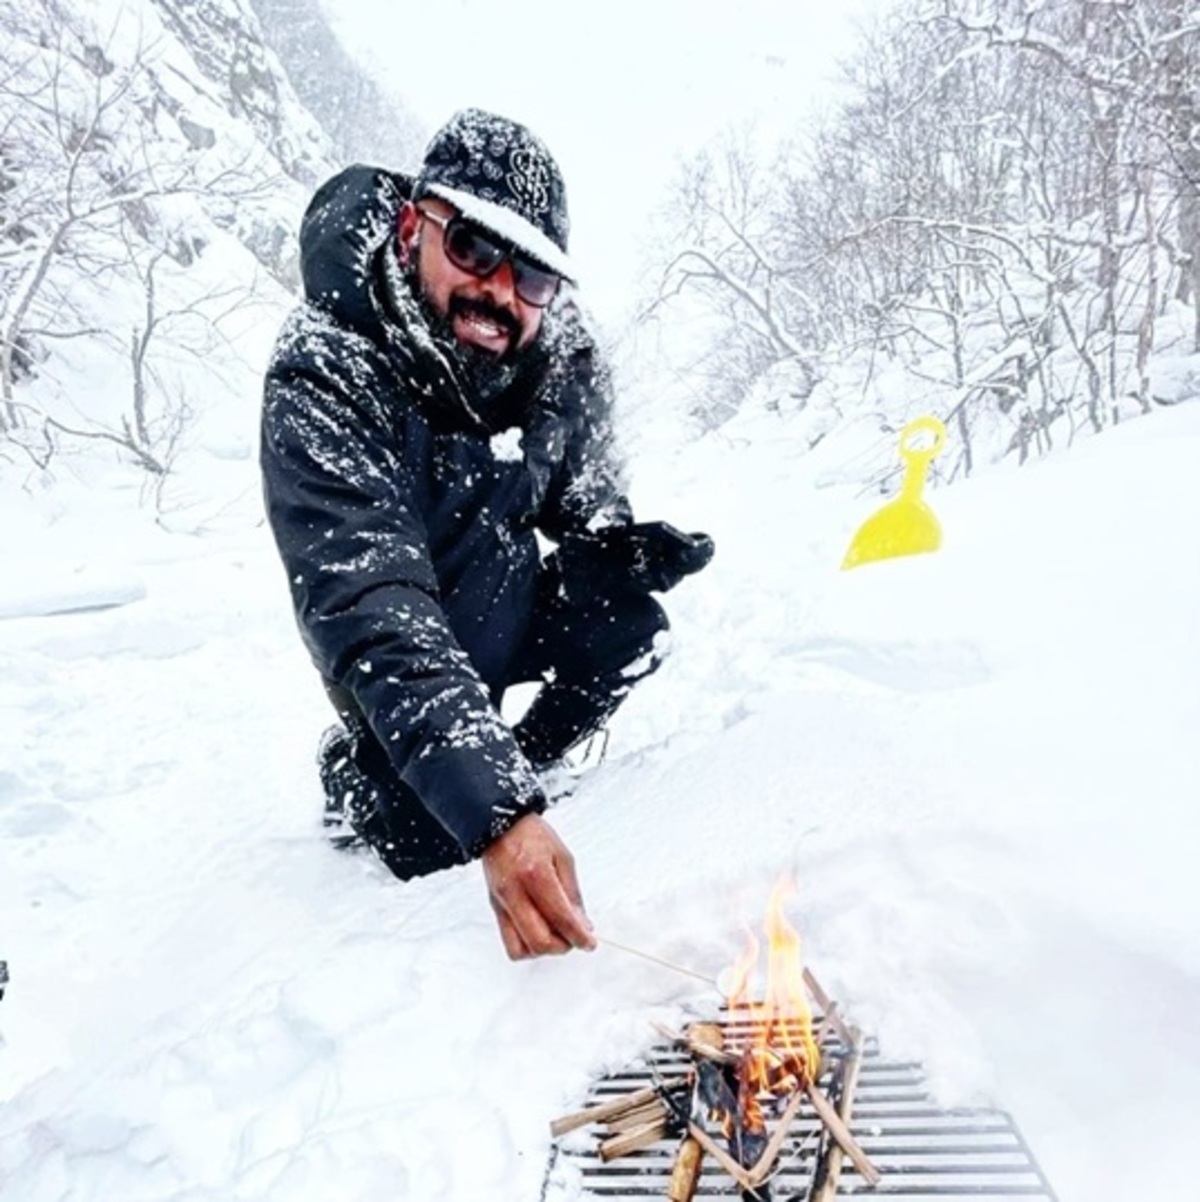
(925, 1153)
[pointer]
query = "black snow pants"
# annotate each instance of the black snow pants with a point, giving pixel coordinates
(588, 652)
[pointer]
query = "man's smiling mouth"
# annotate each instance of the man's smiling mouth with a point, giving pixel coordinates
(493, 331)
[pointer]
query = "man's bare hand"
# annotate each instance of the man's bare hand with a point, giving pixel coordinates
(531, 882)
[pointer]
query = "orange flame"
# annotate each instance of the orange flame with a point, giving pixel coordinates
(740, 977)
(782, 1053)
(787, 1015)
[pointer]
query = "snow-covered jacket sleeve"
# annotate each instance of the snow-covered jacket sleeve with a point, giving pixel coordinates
(341, 505)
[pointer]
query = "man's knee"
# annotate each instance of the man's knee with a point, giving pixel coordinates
(623, 637)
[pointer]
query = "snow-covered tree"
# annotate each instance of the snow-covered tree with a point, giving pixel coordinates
(1005, 202)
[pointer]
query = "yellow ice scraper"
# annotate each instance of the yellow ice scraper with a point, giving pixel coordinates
(905, 526)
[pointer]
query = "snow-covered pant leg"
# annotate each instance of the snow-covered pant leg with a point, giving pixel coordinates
(360, 781)
(590, 653)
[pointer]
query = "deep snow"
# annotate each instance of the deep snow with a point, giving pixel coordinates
(980, 765)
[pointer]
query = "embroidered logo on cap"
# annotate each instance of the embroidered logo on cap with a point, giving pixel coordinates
(529, 179)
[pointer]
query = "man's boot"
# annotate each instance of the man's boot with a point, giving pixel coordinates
(366, 803)
(350, 798)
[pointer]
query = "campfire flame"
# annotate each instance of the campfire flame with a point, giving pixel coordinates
(781, 1055)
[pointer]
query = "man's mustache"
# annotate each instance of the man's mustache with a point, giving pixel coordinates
(461, 306)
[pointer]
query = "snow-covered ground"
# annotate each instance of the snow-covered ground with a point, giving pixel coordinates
(981, 766)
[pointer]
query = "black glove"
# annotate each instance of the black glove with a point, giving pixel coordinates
(645, 556)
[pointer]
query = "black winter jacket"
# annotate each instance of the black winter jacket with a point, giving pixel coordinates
(405, 513)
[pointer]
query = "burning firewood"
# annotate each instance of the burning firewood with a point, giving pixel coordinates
(779, 1057)
(749, 1078)
(731, 1085)
(722, 1091)
(716, 1090)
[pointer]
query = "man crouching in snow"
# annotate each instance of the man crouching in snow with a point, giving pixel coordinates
(434, 404)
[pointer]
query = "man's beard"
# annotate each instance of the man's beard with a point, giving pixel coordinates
(487, 373)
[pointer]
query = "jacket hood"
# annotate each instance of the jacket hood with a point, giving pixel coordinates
(350, 271)
(346, 223)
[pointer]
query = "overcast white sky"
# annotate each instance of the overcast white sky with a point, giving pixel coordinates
(618, 90)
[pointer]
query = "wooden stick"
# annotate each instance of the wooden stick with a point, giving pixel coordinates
(702, 1039)
(829, 1171)
(828, 1007)
(670, 1035)
(828, 1020)
(814, 987)
(611, 1110)
(632, 1141)
(712, 1033)
(827, 1144)
(638, 1117)
(711, 1051)
(766, 1161)
(633, 951)
(840, 1132)
(685, 1172)
(722, 1157)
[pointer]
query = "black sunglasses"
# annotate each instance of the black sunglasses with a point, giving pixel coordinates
(479, 252)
